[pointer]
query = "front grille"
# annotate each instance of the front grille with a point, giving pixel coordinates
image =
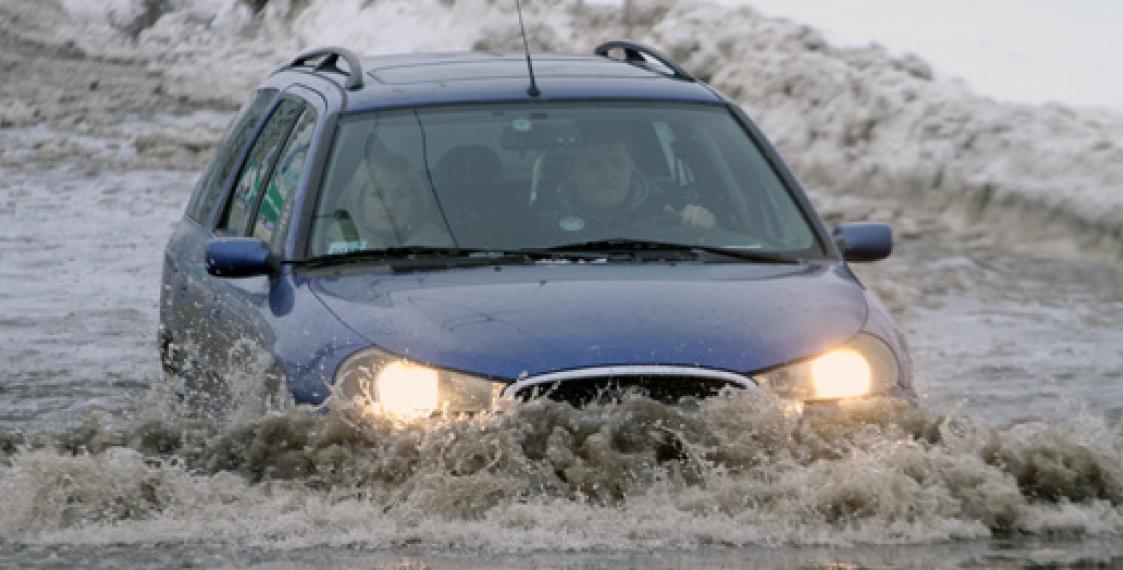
(606, 389)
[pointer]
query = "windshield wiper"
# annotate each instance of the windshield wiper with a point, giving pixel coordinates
(638, 246)
(427, 256)
(407, 254)
(424, 257)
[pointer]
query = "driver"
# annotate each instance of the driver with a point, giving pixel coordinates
(605, 188)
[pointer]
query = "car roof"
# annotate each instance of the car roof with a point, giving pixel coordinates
(479, 76)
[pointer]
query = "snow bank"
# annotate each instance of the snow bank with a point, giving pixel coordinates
(852, 121)
(860, 121)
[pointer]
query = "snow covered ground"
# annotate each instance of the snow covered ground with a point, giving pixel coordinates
(1006, 278)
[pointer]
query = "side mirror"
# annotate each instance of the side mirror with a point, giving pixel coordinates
(864, 241)
(238, 257)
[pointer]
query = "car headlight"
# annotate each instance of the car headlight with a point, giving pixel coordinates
(863, 366)
(394, 386)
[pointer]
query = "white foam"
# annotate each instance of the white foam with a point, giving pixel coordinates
(747, 474)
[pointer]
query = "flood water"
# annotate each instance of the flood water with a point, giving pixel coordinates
(1013, 458)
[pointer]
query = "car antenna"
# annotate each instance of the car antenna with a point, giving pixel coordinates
(533, 90)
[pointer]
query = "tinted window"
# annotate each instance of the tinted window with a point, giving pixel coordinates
(258, 165)
(226, 155)
(544, 175)
(276, 205)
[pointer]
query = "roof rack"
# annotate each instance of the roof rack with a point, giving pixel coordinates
(634, 54)
(330, 56)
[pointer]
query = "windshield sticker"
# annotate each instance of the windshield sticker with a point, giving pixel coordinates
(571, 224)
(337, 247)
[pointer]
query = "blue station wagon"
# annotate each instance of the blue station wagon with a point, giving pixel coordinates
(437, 232)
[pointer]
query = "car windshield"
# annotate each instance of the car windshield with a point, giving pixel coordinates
(558, 175)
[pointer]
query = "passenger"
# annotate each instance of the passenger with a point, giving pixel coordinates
(605, 188)
(387, 205)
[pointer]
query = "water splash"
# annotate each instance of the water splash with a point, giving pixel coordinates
(738, 470)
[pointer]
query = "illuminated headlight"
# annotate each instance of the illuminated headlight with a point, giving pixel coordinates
(863, 366)
(393, 386)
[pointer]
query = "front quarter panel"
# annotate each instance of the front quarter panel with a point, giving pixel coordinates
(881, 324)
(310, 342)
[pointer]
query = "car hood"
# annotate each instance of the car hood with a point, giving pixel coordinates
(507, 322)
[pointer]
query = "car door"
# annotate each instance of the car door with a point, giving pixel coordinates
(260, 205)
(183, 322)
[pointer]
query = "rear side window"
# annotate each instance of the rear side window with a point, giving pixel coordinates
(258, 165)
(226, 156)
(276, 204)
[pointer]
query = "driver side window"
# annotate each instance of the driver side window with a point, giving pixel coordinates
(251, 180)
(209, 190)
(275, 209)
